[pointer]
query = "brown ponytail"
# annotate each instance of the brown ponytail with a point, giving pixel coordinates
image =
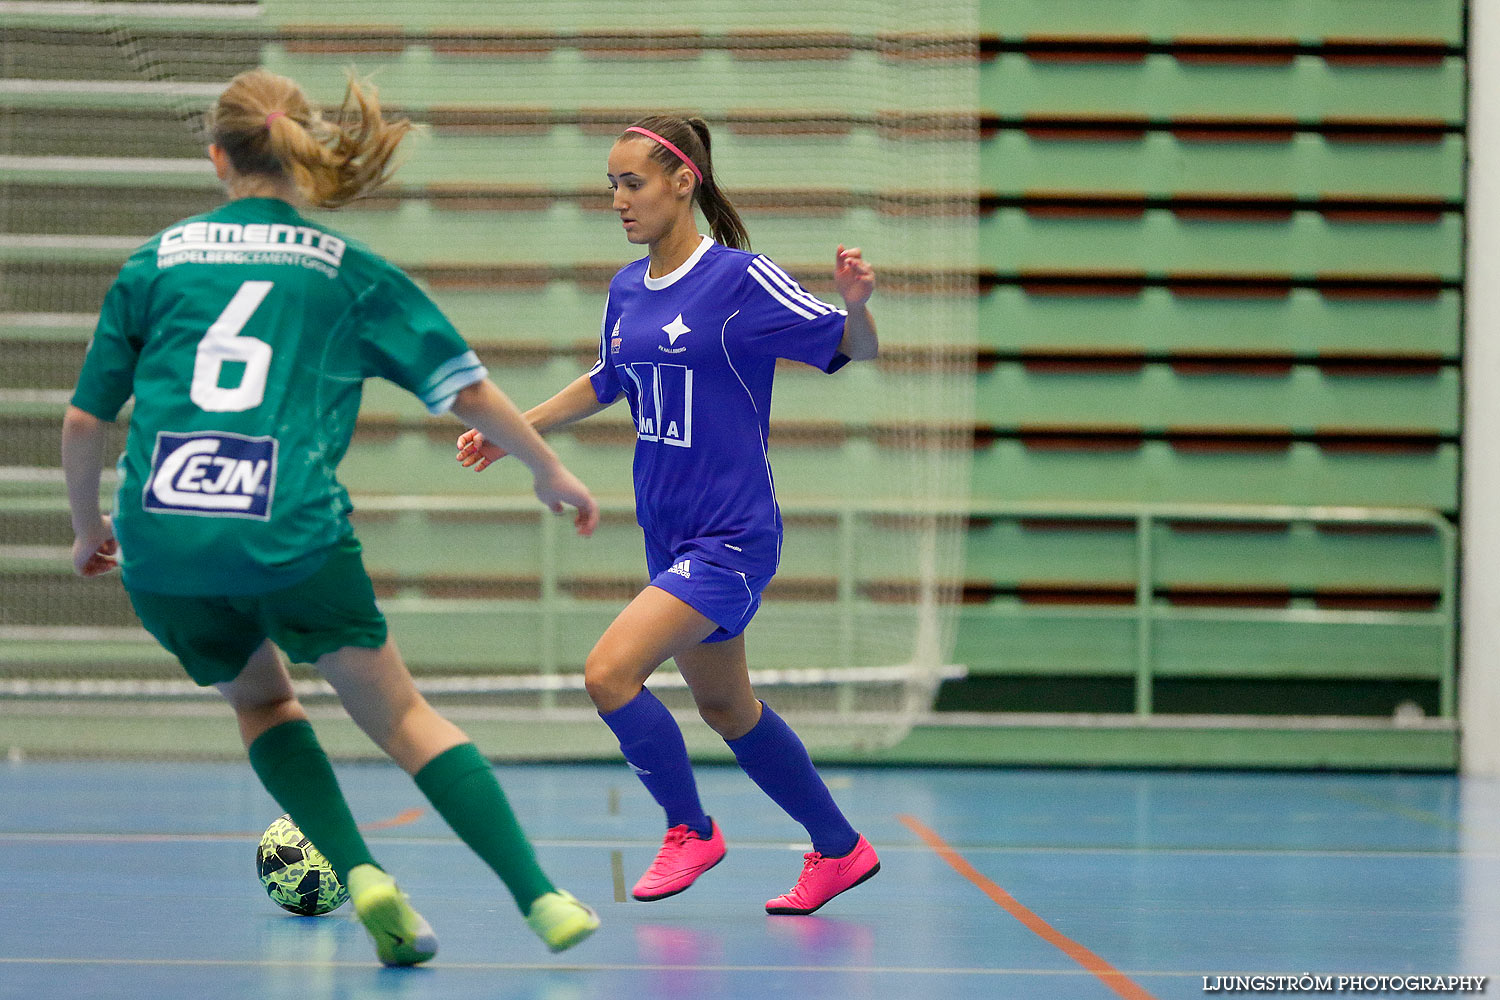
(691, 136)
(265, 126)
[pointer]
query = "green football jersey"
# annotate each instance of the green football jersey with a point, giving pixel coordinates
(245, 335)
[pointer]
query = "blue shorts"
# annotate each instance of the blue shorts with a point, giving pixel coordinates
(724, 596)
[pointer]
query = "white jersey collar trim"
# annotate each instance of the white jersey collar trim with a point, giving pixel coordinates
(667, 280)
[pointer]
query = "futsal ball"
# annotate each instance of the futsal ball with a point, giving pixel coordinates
(296, 875)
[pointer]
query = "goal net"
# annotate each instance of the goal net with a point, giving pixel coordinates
(849, 121)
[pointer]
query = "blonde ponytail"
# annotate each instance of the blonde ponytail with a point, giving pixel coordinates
(265, 125)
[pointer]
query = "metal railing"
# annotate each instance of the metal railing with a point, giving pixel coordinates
(1147, 611)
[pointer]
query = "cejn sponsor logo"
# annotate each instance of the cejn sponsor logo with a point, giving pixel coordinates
(212, 474)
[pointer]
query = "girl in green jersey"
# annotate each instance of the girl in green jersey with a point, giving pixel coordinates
(244, 336)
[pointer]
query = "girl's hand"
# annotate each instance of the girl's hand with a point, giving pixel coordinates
(477, 453)
(559, 487)
(96, 552)
(854, 279)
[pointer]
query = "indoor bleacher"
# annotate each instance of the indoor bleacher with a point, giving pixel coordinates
(1215, 366)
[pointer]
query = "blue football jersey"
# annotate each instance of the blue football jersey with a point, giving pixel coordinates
(695, 353)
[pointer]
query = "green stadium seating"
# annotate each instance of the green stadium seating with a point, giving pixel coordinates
(1165, 19)
(1219, 261)
(1163, 86)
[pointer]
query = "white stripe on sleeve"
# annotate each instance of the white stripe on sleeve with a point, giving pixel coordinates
(459, 373)
(779, 297)
(444, 371)
(790, 286)
(603, 346)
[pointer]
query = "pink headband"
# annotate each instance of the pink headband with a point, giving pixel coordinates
(273, 116)
(671, 149)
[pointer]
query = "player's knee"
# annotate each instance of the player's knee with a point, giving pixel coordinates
(607, 685)
(731, 720)
(265, 713)
(718, 717)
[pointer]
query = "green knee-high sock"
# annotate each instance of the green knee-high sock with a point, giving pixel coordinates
(296, 772)
(461, 785)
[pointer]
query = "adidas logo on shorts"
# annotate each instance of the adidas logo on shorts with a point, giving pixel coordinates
(683, 569)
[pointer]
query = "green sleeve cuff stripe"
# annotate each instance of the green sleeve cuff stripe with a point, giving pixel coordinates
(443, 372)
(440, 398)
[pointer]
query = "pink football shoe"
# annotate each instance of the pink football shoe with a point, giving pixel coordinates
(684, 855)
(823, 878)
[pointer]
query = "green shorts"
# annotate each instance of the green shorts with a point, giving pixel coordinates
(213, 637)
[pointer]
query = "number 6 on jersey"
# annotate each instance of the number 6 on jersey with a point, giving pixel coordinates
(222, 343)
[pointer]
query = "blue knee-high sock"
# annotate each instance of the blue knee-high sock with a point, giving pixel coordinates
(653, 747)
(775, 759)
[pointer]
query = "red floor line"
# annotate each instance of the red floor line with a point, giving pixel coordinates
(1116, 980)
(402, 818)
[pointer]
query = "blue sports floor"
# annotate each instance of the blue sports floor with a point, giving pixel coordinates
(137, 880)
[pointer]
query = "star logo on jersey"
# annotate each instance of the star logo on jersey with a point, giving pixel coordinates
(675, 329)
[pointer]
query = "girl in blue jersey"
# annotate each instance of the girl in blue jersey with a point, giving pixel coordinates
(244, 336)
(690, 338)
